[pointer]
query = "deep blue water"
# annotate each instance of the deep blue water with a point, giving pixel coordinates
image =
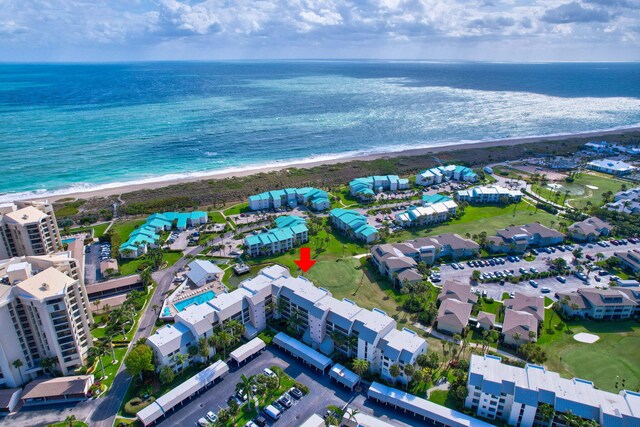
(72, 126)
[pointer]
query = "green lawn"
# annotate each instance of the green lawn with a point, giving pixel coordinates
(482, 218)
(237, 209)
(98, 230)
(441, 397)
(110, 369)
(217, 217)
(580, 194)
(614, 354)
(130, 266)
(124, 228)
(493, 307)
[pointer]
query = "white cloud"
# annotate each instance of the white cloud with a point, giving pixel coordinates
(314, 27)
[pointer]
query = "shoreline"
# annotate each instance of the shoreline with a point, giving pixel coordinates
(213, 175)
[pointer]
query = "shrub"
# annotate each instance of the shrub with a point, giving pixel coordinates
(136, 404)
(303, 388)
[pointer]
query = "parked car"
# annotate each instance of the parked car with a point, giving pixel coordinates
(272, 412)
(211, 416)
(285, 400)
(545, 290)
(533, 283)
(561, 279)
(295, 392)
(268, 372)
(279, 406)
(202, 422)
(260, 421)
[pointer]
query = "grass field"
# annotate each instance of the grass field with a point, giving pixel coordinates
(217, 217)
(124, 228)
(64, 424)
(580, 194)
(128, 267)
(482, 218)
(237, 209)
(98, 230)
(614, 355)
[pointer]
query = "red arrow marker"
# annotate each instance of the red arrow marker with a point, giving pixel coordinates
(305, 262)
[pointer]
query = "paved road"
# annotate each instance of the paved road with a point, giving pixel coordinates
(104, 415)
(495, 290)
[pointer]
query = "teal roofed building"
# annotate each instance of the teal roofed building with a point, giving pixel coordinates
(314, 198)
(446, 173)
(290, 231)
(365, 188)
(148, 234)
(354, 224)
(430, 199)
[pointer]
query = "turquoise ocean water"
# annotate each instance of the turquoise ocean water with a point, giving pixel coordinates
(68, 127)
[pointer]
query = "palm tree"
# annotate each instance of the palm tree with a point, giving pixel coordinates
(98, 351)
(97, 304)
(546, 413)
(516, 338)
(70, 420)
(146, 277)
(18, 364)
(246, 385)
(107, 342)
(360, 366)
(48, 363)
(351, 414)
(395, 371)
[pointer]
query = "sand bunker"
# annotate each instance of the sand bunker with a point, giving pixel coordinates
(592, 187)
(586, 338)
(554, 186)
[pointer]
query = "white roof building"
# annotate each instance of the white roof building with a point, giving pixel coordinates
(203, 271)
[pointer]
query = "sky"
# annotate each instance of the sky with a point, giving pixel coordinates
(476, 30)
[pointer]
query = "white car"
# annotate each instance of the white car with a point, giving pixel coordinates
(211, 416)
(268, 372)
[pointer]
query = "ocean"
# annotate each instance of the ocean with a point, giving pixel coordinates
(67, 127)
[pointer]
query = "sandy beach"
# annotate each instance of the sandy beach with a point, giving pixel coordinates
(125, 188)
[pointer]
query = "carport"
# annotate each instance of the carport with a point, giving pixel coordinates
(302, 351)
(419, 407)
(184, 391)
(247, 350)
(344, 376)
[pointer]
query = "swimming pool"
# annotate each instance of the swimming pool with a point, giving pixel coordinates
(197, 299)
(69, 240)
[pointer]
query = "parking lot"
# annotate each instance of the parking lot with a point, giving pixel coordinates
(322, 393)
(95, 253)
(495, 290)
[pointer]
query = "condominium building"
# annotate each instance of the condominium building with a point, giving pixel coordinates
(28, 228)
(45, 309)
(489, 194)
(148, 234)
(430, 213)
(601, 304)
(515, 395)
(354, 224)
(325, 323)
(626, 201)
(520, 238)
(589, 230)
(398, 258)
(290, 231)
(445, 173)
(630, 260)
(367, 187)
(316, 199)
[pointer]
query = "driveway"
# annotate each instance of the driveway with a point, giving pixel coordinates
(92, 264)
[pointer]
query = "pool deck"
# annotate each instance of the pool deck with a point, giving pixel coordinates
(185, 291)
